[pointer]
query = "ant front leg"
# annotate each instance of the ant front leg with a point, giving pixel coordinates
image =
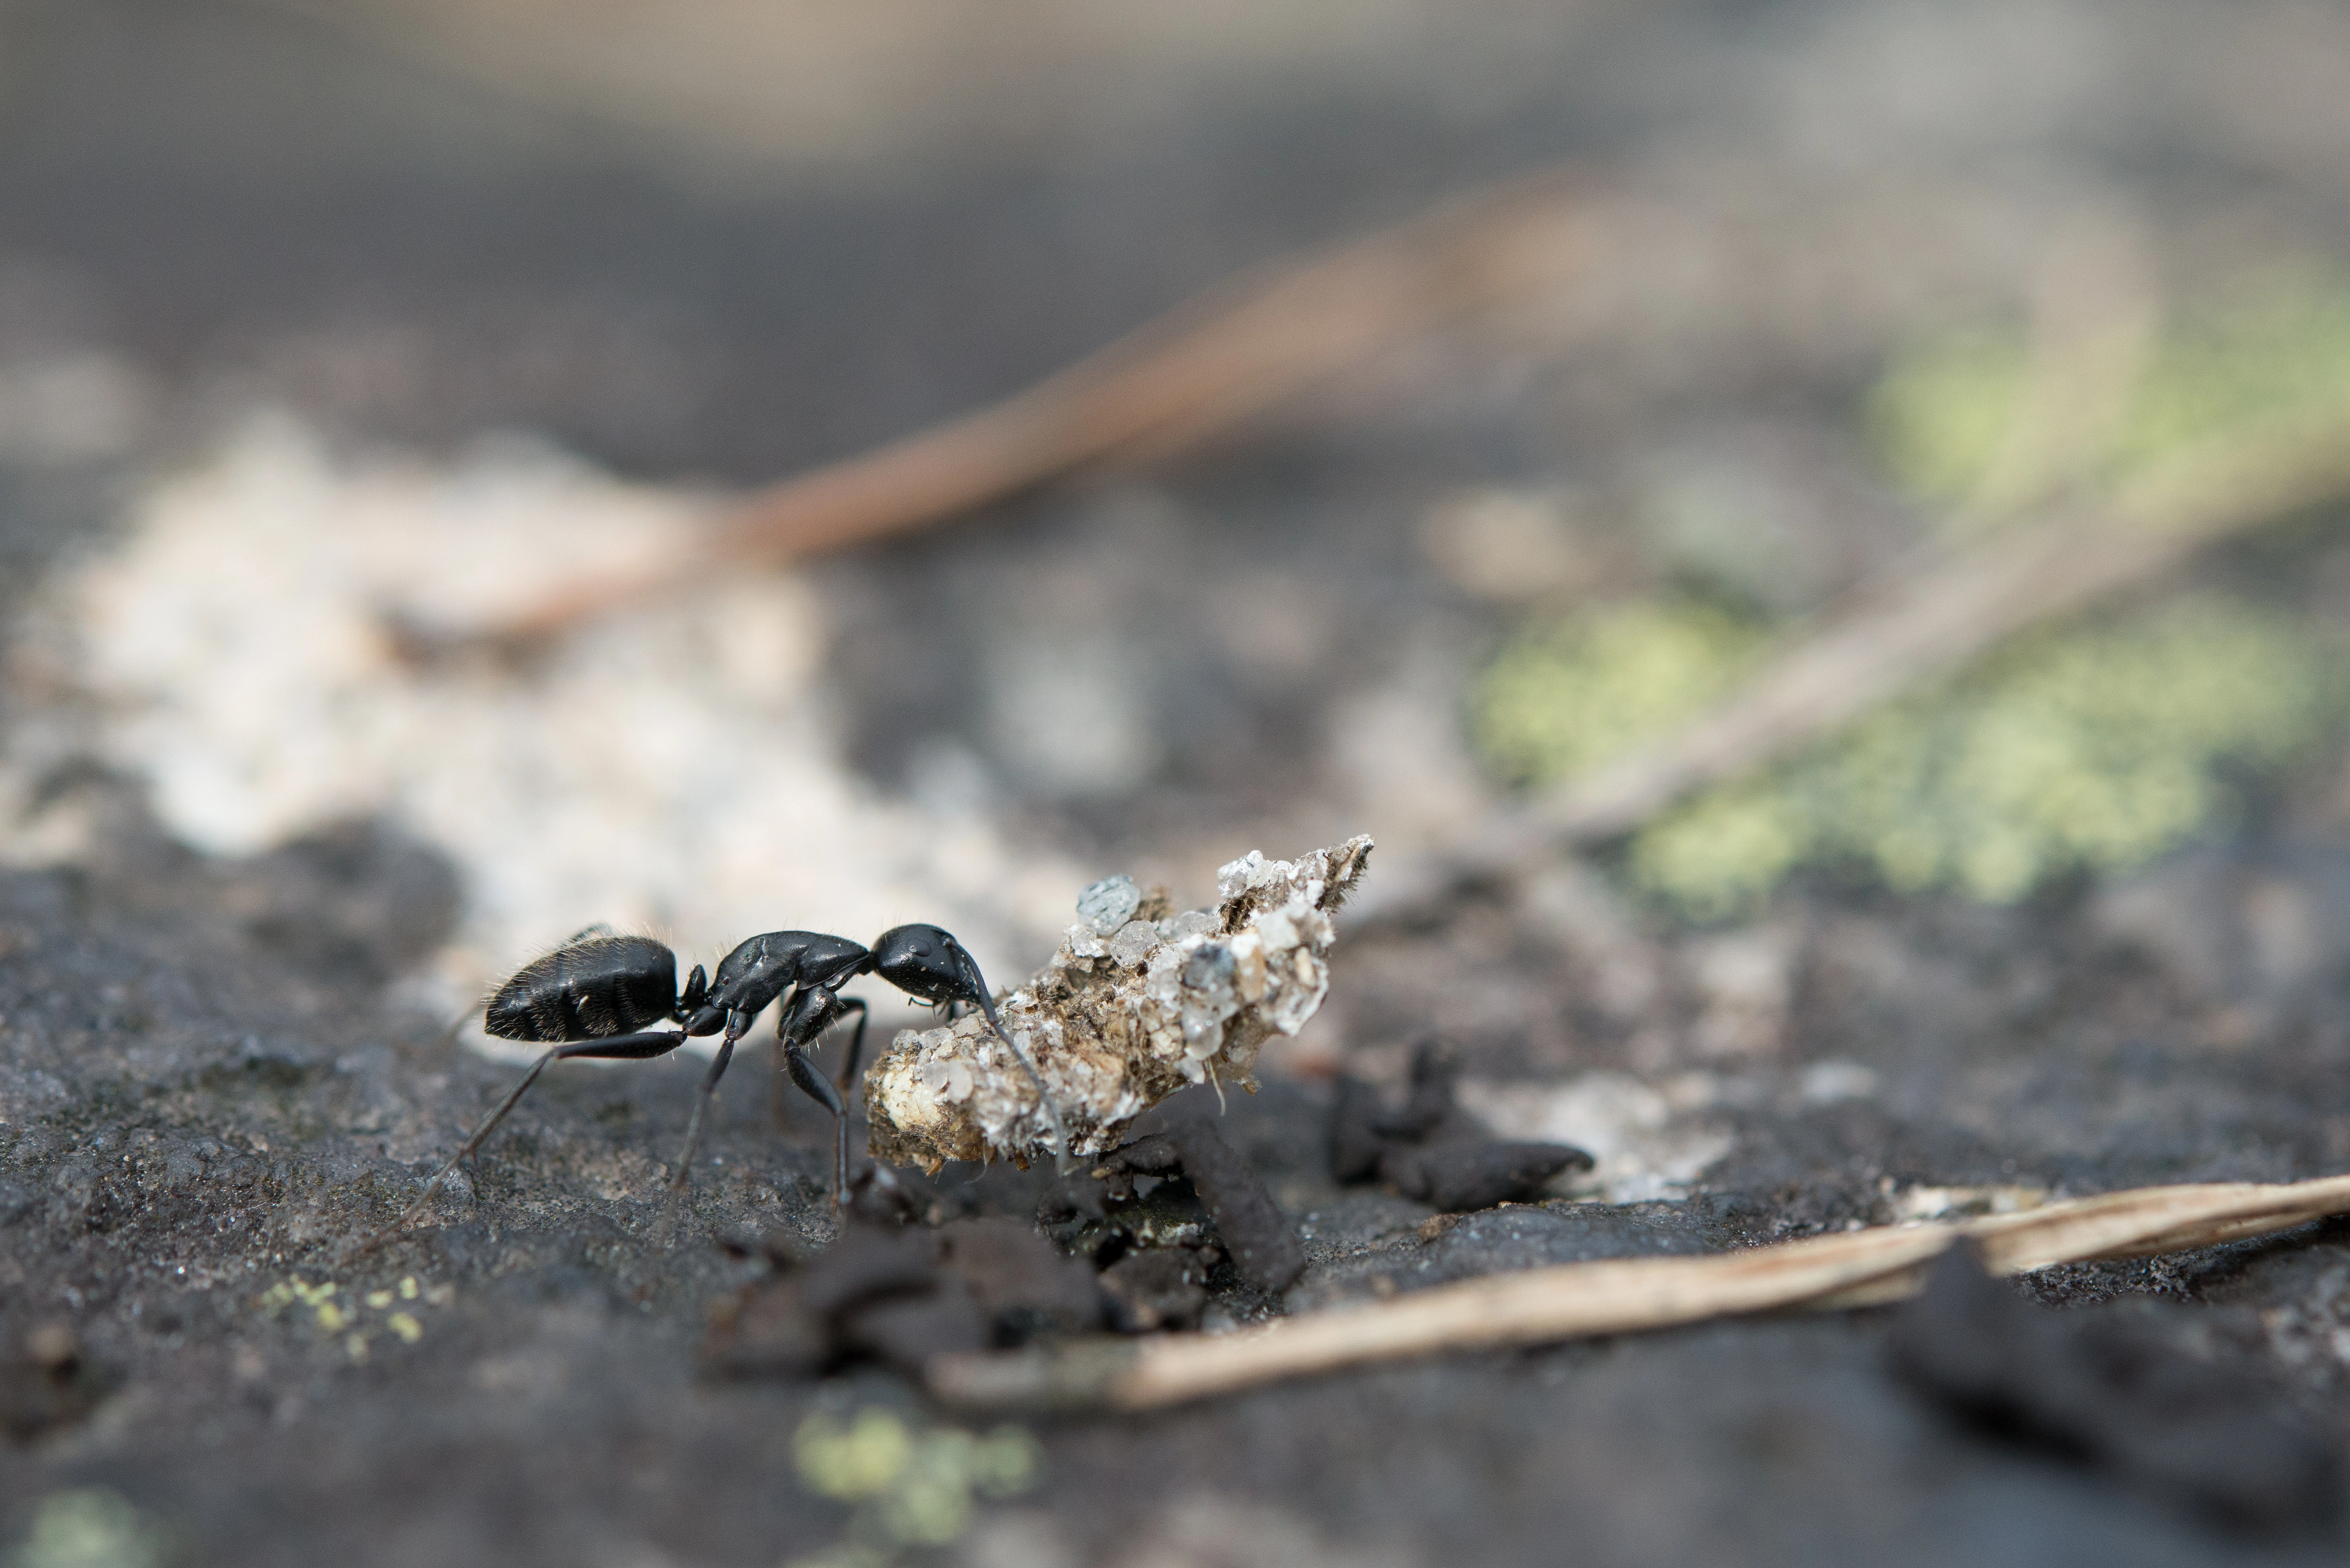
(842, 1082)
(776, 1097)
(784, 1072)
(811, 1014)
(848, 1073)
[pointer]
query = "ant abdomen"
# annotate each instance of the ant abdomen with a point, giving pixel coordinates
(587, 989)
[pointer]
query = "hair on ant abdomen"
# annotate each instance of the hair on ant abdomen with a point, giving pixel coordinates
(594, 986)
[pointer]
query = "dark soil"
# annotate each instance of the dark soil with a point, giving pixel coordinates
(204, 1115)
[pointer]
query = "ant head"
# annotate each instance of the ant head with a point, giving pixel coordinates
(924, 962)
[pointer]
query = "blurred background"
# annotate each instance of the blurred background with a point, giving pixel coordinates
(322, 318)
(1950, 405)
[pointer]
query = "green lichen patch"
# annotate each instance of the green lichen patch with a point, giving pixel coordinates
(2094, 747)
(90, 1527)
(1570, 695)
(1938, 416)
(357, 1315)
(911, 1486)
(1944, 412)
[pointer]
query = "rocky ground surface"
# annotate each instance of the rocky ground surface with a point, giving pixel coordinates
(216, 1080)
(211, 1113)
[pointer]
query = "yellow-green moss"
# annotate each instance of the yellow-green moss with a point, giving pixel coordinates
(2280, 353)
(911, 1486)
(1941, 414)
(2093, 747)
(2096, 747)
(90, 1527)
(1724, 851)
(1568, 696)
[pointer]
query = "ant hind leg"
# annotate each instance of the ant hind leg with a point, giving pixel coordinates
(626, 1048)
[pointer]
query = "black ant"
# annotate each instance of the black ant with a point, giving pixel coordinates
(596, 992)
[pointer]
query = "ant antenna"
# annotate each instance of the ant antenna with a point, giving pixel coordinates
(1063, 1161)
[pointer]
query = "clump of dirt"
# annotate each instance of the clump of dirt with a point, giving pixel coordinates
(894, 1290)
(47, 1383)
(899, 1296)
(1429, 1151)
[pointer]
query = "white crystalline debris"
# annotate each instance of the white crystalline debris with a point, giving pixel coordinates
(1115, 1028)
(1132, 944)
(1647, 1148)
(675, 770)
(1109, 903)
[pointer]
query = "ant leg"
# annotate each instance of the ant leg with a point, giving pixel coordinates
(848, 1073)
(701, 1105)
(625, 1047)
(775, 1093)
(811, 1012)
(818, 1087)
(847, 1076)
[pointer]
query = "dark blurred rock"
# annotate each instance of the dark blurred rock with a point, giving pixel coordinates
(767, 1330)
(900, 1295)
(1431, 1152)
(1457, 1177)
(1261, 1243)
(1080, 1195)
(883, 1195)
(1356, 1142)
(1023, 1284)
(867, 1265)
(807, 1318)
(1429, 1104)
(906, 1331)
(46, 1384)
(1165, 1289)
(2098, 1391)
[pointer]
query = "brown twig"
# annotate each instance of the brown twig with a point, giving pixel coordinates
(1182, 376)
(1580, 1300)
(1935, 618)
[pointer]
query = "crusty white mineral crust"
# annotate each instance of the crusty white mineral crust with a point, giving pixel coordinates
(1118, 1020)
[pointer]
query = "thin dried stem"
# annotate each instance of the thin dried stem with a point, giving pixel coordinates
(1194, 371)
(1932, 620)
(1579, 1300)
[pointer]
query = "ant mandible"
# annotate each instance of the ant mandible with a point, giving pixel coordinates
(594, 995)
